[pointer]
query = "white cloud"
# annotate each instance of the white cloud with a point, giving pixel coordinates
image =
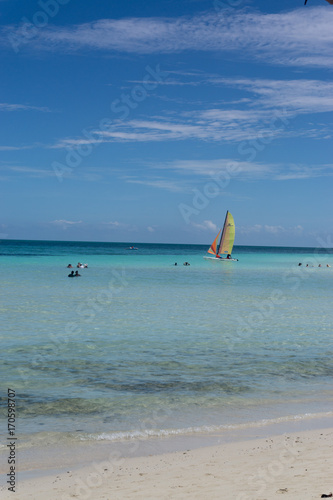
(215, 175)
(280, 229)
(206, 225)
(159, 183)
(31, 172)
(65, 224)
(113, 225)
(300, 37)
(276, 230)
(14, 148)
(250, 229)
(21, 107)
(205, 130)
(269, 113)
(267, 110)
(222, 169)
(116, 225)
(295, 96)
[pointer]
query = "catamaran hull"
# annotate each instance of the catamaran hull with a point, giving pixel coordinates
(216, 259)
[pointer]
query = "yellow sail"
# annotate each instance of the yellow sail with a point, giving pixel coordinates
(213, 248)
(228, 236)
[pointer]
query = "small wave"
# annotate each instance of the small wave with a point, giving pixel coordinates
(165, 433)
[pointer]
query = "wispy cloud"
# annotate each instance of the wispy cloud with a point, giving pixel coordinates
(304, 172)
(300, 37)
(266, 109)
(62, 222)
(297, 96)
(185, 175)
(115, 225)
(173, 83)
(4, 106)
(14, 148)
(219, 167)
(32, 172)
(275, 230)
(202, 127)
(167, 185)
(245, 170)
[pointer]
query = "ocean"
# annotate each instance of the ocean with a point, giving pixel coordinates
(137, 347)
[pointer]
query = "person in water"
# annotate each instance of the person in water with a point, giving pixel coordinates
(77, 273)
(69, 266)
(186, 264)
(71, 275)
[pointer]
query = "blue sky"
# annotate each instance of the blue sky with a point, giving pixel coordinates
(146, 121)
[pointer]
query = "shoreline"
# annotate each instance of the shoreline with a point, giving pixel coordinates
(101, 467)
(299, 463)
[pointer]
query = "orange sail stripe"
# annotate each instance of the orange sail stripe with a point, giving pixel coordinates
(213, 247)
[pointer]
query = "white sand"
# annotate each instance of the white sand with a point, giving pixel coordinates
(293, 466)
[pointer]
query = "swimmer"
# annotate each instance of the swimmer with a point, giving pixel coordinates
(186, 264)
(69, 266)
(71, 275)
(77, 273)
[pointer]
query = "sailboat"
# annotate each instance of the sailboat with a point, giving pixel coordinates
(224, 241)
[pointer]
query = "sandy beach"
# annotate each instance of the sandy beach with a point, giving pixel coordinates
(294, 465)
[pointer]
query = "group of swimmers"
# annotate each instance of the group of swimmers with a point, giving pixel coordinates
(319, 265)
(80, 266)
(73, 275)
(185, 264)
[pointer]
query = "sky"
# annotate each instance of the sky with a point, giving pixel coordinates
(147, 121)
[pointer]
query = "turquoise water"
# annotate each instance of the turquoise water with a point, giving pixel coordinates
(137, 346)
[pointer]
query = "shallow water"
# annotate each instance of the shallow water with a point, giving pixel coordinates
(137, 346)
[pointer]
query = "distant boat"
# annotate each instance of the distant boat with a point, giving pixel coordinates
(226, 242)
